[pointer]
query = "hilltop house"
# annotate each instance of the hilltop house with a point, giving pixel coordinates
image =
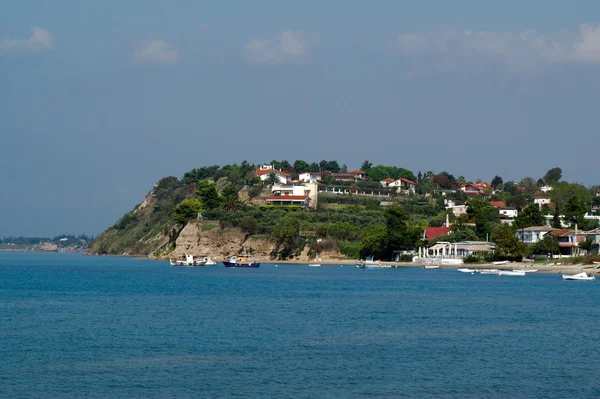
(309, 177)
(456, 209)
(265, 170)
(540, 200)
(533, 234)
(293, 194)
(402, 185)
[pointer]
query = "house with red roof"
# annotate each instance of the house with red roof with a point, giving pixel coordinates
(265, 170)
(498, 204)
(432, 232)
(359, 174)
(542, 200)
(402, 185)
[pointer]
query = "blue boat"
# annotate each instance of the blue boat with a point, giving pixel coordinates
(241, 262)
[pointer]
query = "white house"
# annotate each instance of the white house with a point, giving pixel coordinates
(533, 234)
(540, 200)
(309, 177)
(545, 188)
(264, 171)
(403, 185)
(508, 212)
(293, 194)
(456, 209)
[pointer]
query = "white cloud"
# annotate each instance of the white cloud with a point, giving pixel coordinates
(289, 47)
(40, 40)
(527, 47)
(155, 52)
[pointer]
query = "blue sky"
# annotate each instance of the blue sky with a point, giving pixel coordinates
(99, 100)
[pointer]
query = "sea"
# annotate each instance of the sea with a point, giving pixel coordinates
(77, 326)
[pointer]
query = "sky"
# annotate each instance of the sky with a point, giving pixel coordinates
(99, 100)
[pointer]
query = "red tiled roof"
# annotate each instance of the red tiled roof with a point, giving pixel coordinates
(433, 232)
(498, 204)
(408, 181)
(267, 171)
(388, 180)
(357, 172)
(287, 197)
(542, 197)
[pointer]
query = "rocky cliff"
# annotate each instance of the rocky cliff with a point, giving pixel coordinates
(208, 239)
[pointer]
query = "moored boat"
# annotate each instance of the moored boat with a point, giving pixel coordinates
(369, 263)
(582, 276)
(431, 267)
(488, 271)
(190, 260)
(240, 262)
(500, 262)
(510, 273)
(465, 270)
(525, 270)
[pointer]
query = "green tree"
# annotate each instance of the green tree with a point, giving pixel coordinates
(574, 210)
(333, 167)
(562, 191)
(301, 166)
(508, 245)
(366, 166)
(531, 215)
(286, 234)
(510, 187)
(548, 245)
(496, 181)
(208, 194)
(527, 185)
(553, 176)
(400, 236)
(373, 242)
(486, 216)
(186, 210)
(272, 179)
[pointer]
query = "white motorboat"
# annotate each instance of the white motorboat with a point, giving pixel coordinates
(510, 273)
(464, 270)
(583, 276)
(500, 262)
(431, 267)
(369, 263)
(525, 270)
(209, 261)
(314, 264)
(190, 260)
(488, 271)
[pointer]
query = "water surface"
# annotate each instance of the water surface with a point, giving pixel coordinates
(79, 326)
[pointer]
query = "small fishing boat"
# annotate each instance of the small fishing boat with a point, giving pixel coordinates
(525, 270)
(464, 270)
(510, 273)
(314, 264)
(431, 267)
(500, 262)
(488, 271)
(190, 260)
(240, 262)
(209, 261)
(369, 263)
(582, 276)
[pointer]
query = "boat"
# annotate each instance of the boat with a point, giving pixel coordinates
(369, 263)
(488, 271)
(525, 270)
(500, 262)
(240, 262)
(511, 273)
(190, 260)
(464, 270)
(431, 267)
(316, 263)
(582, 276)
(209, 261)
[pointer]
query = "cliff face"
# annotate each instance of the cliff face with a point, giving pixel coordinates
(207, 239)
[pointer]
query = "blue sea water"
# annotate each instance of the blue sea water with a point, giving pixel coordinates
(77, 326)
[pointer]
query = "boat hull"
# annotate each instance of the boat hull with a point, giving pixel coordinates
(241, 265)
(510, 273)
(578, 277)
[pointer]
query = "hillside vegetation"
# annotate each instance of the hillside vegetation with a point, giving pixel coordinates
(354, 225)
